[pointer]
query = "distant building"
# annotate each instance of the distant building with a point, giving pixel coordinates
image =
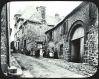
(76, 36)
(30, 27)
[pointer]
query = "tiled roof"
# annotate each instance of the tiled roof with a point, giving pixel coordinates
(35, 17)
(30, 13)
(51, 20)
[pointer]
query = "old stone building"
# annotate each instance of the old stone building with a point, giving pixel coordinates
(76, 36)
(30, 27)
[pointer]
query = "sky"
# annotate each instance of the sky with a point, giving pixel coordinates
(62, 8)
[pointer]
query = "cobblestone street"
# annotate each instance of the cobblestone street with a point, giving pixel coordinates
(47, 67)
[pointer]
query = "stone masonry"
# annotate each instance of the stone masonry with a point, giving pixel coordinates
(85, 16)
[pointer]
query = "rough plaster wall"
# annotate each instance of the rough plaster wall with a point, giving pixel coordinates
(29, 32)
(57, 34)
(59, 39)
(33, 31)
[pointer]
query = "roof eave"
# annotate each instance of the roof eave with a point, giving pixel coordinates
(75, 10)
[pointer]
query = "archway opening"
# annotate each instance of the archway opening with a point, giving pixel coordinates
(76, 50)
(77, 44)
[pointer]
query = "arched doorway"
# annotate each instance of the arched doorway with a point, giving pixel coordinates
(77, 44)
(75, 38)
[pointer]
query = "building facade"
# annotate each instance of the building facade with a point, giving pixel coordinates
(30, 27)
(76, 36)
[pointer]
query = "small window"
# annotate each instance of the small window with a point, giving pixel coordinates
(16, 44)
(22, 30)
(25, 43)
(50, 39)
(64, 28)
(61, 49)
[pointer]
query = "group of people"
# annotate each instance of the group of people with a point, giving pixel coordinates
(25, 51)
(50, 53)
(47, 53)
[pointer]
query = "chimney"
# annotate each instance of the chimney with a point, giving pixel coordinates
(42, 12)
(57, 17)
(16, 17)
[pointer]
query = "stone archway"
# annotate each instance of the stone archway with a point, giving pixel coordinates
(77, 45)
(76, 42)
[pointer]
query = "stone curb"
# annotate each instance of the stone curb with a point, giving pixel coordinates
(13, 62)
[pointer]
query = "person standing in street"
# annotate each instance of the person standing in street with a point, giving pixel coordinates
(56, 54)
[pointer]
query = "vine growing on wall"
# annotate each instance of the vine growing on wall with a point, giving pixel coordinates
(31, 35)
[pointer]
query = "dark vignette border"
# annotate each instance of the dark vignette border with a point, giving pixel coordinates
(2, 2)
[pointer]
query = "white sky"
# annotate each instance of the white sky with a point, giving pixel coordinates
(52, 7)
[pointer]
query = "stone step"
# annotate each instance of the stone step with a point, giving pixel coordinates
(17, 72)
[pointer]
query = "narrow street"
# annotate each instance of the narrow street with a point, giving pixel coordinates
(44, 67)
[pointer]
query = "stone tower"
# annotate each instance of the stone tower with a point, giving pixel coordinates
(42, 13)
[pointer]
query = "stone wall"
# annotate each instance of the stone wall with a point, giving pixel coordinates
(3, 30)
(91, 46)
(31, 32)
(89, 21)
(81, 14)
(91, 34)
(3, 39)
(34, 32)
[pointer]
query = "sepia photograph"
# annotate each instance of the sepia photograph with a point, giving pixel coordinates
(49, 39)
